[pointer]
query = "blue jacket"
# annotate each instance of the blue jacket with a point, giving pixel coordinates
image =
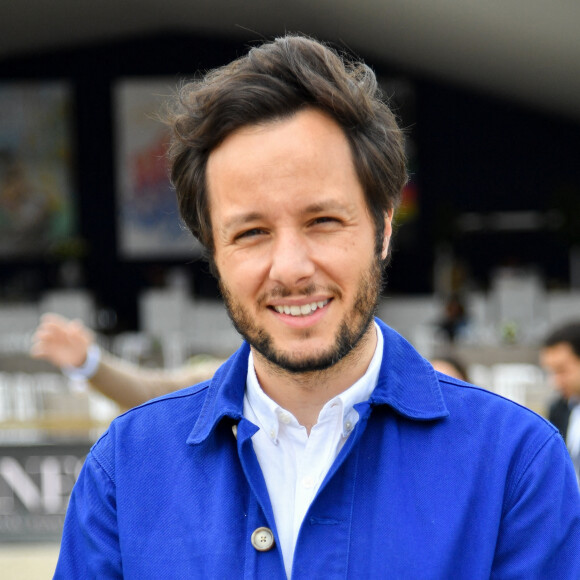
(439, 479)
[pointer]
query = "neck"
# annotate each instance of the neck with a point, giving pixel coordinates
(304, 394)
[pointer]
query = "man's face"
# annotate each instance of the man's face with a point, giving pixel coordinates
(563, 366)
(294, 241)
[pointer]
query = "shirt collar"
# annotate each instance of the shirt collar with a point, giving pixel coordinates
(361, 390)
(406, 382)
(269, 413)
(266, 410)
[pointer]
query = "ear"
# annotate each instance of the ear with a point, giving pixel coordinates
(387, 232)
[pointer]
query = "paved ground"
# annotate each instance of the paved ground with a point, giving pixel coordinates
(28, 561)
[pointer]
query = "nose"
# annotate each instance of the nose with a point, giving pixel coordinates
(291, 262)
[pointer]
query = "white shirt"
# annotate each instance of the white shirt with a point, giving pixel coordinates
(294, 464)
(573, 438)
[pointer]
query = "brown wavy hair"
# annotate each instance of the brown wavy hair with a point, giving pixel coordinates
(274, 81)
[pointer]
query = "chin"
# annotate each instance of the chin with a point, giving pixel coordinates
(303, 361)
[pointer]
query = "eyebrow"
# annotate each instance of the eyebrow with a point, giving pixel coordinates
(323, 206)
(243, 219)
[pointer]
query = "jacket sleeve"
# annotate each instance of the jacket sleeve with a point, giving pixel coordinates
(540, 530)
(90, 541)
(131, 385)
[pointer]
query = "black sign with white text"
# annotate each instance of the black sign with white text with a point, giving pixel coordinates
(35, 486)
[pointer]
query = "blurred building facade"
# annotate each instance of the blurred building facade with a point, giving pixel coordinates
(490, 216)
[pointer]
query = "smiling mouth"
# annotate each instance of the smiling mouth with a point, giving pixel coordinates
(303, 310)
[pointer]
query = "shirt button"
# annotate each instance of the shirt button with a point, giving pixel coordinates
(348, 426)
(285, 418)
(307, 482)
(272, 434)
(263, 539)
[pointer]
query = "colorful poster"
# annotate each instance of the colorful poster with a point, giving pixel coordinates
(149, 226)
(36, 194)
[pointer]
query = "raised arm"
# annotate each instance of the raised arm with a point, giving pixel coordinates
(62, 342)
(130, 385)
(68, 343)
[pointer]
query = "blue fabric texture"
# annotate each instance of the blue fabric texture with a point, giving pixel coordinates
(439, 480)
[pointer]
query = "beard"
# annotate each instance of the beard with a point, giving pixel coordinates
(352, 328)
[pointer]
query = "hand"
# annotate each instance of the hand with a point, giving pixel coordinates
(61, 341)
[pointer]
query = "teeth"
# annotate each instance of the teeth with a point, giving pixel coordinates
(300, 310)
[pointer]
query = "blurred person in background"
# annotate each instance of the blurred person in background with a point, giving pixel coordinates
(454, 321)
(560, 357)
(71, 346)
(451, 366)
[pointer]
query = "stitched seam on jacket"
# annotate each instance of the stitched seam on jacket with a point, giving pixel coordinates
(92, 456)
(516, 482)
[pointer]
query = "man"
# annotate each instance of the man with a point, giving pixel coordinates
(326, 447)
(560, 356)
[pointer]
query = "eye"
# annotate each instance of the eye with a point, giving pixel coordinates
(325, 220)
(251, 233)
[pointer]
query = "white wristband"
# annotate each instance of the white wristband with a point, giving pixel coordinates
(88, 368)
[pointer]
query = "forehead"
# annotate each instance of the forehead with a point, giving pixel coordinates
(308, 131)
(559, 354)
(307, 153)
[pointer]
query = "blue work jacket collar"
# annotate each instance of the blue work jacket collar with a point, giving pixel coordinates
(407, 383)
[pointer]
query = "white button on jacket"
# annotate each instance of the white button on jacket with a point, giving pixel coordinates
(263, 539)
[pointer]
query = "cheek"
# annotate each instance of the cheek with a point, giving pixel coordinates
(239, 274)
(352, 251)
(350, 269)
